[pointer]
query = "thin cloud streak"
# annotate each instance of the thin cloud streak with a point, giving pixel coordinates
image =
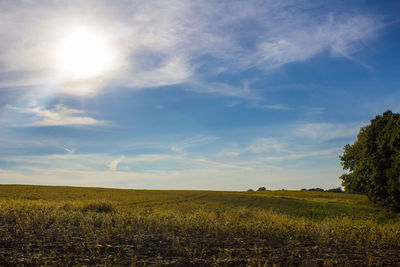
(327, 131)
(181, 147)
(266, 145)
(331, 152)
(57, 116)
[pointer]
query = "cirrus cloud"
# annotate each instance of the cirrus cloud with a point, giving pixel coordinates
(157, 43)
(60, 115)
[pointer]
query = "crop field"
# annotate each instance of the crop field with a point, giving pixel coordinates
(74, 226)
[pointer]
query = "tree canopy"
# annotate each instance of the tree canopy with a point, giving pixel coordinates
(373, 161)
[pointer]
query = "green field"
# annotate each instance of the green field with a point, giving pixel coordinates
(73, 226)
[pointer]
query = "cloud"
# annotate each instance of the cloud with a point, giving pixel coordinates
(266, 145)
(327, 131)
(232, 154)
(114, 164)
(146, 162)
(300, 155)
(193, 141)
(276, 107)
(232, 104)
(195, 173)
(314, 111)
(340, 35)
(197, 179)
(141, 171)
(60, 115)
(69, 150)
(174, 71)
(221, 89)
(262, 161)
(156, 43)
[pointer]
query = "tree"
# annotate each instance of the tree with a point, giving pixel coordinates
(316, 189)
(261, 189)
(335, 190)
(373, 161)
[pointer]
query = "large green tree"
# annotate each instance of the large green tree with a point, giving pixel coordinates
(373, 161)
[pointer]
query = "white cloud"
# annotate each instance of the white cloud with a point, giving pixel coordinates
(221, 89)
(147, 162)
(94, 170)
(174, 71)
(199, 173)
(276, 107)
(114, 164)
(60, 115)
(330, 152)
(232, 104)
(314, 111)
(299, 36)
(266, 161)
(266, 145)
(157, 43)
(201, 178)
(193, 141)
(233, 154)
(327, 131)
(69, 150)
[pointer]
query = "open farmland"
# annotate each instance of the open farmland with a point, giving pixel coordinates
(43, 225)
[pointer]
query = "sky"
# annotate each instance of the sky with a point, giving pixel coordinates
(213, 95)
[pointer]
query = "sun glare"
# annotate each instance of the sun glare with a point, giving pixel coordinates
(84, 54)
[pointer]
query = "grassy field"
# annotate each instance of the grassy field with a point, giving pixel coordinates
(72, 226)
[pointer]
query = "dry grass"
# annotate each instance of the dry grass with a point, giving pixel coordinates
(84, 226)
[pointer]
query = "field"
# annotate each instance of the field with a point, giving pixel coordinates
(72, 226)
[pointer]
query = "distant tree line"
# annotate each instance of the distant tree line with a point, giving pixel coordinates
(334, 190)
(317, 189)
(262, 188)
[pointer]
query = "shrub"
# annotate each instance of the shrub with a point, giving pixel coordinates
(99, 207)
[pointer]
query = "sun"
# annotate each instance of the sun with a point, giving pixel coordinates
(84, 54)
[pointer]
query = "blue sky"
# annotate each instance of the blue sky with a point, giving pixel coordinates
(223, 95)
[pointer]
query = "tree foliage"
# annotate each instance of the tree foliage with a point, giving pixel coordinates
(373, 161)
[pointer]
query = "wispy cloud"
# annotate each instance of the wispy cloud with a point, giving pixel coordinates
(193, 141)
(266, 145)
(263, 159)
(59, 115)
(232, 153)
(330, 152)
(275, 107)
(69, 150)
(197, 173)
(94, 170)
(146, 162)
(299, 37)
(327, 131)
(114, 164)
(169, 46)
(221, 89)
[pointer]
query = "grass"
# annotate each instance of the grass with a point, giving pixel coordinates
(42, 225)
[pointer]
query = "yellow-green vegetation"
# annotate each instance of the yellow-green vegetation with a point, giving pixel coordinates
(42, 225)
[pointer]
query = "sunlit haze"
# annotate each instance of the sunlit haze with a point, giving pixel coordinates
(84, 54)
